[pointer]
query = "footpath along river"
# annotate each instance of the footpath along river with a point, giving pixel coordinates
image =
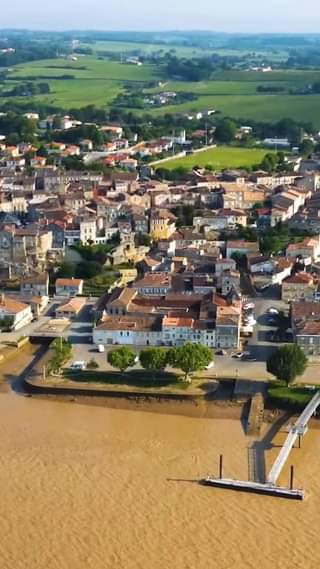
(87, 487)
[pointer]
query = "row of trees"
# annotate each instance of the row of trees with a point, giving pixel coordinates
(189, 358)
(27, 90)
(286, 363)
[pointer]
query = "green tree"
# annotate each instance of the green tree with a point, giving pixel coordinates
(67, 270)
(142, 239)
(287, 363)
(240, 259)
(121, 358)
(154, 359)
(306, 148)
(270, 244)
(226, 130)
(88, 270)
(190, 358)
(270, 162)
(62, 351)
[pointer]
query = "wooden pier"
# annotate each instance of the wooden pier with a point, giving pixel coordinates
(254, 487)
(270, 488)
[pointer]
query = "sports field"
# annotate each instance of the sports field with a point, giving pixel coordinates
(219, 158)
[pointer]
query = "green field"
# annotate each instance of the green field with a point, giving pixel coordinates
(95, 81)
(232, 93)
(219, 158)
(143, 48)
(235, 94)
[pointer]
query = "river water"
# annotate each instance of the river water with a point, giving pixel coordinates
(95, 488)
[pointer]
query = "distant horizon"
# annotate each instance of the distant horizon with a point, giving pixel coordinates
(231, 16)
(156, 31)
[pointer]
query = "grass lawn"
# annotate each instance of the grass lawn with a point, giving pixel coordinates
(220, 158)
(299, 396)
(134, 378)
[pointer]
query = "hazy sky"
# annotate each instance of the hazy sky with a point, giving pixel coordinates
(221, 15)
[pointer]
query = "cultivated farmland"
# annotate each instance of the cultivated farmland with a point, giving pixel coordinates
(91, 80)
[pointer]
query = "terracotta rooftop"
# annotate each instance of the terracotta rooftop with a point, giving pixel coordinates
(241, 244)
(12, 306)
(133, 323)
(177, 322)
(69, 282)
(309, 329)
(73, 305)
(299, 278)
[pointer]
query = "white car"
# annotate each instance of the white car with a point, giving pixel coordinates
(210, 365)
(79, 365)
(100, 348)
(249, 321)
(237, 355)
(273, 311)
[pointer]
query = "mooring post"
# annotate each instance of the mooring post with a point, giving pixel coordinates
(221, 466)
(291, 477)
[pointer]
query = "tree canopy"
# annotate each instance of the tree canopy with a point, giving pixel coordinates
(190, 357)
(121, 358)
(154, 359)
(226, 130)
(306, 148)
(287, 363)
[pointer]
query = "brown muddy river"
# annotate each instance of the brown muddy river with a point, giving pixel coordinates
(95, 488)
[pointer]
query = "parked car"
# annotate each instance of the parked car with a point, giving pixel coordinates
(248, 358)
(221, 353)
(249, 321)
(238, 355)
(79, 365)
(272, 310)
(210, 365)
(100, 348)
